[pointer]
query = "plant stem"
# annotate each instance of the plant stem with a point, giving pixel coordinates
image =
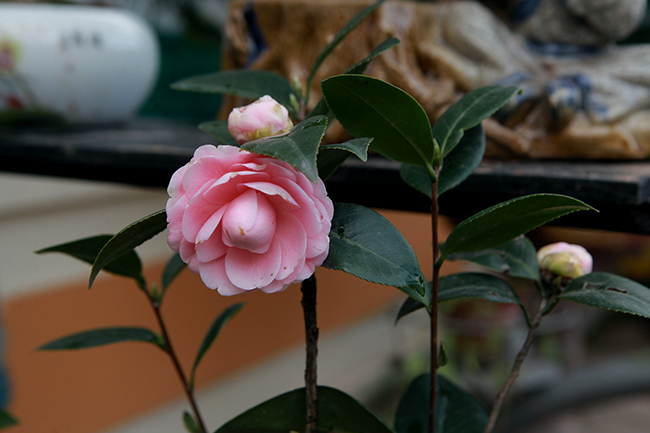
(434, 307)
(189, 392)
(519, 360)
(311, 337)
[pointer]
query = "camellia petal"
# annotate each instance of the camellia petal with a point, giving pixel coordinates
(262, 118)
(293, 243)
(269, 188)
(247, 222)
(250, 270)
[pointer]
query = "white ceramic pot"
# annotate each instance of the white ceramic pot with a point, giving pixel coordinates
(86, 64)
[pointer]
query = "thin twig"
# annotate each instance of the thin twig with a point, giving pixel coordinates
(189, 393)
(434, 307)
(311, 337)
(519, 360)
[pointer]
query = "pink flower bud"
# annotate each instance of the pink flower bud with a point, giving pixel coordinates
(263, 118)
(565, 260)
(244, 221)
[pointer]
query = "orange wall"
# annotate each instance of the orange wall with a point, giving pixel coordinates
(87, 390)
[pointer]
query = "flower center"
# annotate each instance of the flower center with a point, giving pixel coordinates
(249, 222)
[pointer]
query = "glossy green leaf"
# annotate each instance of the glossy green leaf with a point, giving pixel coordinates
(610, 292)
(503, 222)
(356, 146)
(174, 266)
(127, 265)
(102, 337)
(358, 68)
(518, 258)
(247, 83)
(328, 161)
(368, 107)
(466, 285)
(456, 410)
(456, 167)
(219, 130)
(462, 160)
(212, 334)
(417, 178)
(336, 40)
(443, 358)
(285, 413)
(409, 306)
(331, 156)
(365, 244)
(6, 420)
(298, 147)
(127, 239)
(476, 285)
(321, 109)
(190, 423)
(469, 111)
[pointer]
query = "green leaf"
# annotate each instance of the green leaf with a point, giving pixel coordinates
(328, 161)
(219, 130)
(456, 410)
(321, 109)
(336, 40)
(357, 146)
(190, 423)
(6, 420)
(611, 292)
(409, 306)
(456, 167)
(212, 334)
(365, 244)
(336, 411)
(331, 156)
(518, 258)
(127, 265)
(174, 266)
(127, 239)
(417, 178)
(247, 83)
(503, 222)
(462, 160)
(466, 285)
(476, 285)
(368, 107)
(443, 358)
(102, 337)
(468, 112)
(298, 147)
(358, 68)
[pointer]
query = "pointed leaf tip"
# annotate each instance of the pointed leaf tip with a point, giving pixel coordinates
(127, 239)
(505, 221)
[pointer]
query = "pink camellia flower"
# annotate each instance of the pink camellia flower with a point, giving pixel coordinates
(263, 118)
(566, 260)
(243, 221)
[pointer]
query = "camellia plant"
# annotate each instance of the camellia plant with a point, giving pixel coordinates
(253, 214)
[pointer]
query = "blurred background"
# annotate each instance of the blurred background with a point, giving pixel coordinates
(128, 388)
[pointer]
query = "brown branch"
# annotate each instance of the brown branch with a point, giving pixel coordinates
(519, 360)
(311, 337)
(189, 393)
(434, 307)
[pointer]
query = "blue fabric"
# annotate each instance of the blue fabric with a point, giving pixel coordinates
(524, 10)
(561, 50)
(254, 33)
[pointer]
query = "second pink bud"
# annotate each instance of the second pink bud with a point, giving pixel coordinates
(263, 118)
